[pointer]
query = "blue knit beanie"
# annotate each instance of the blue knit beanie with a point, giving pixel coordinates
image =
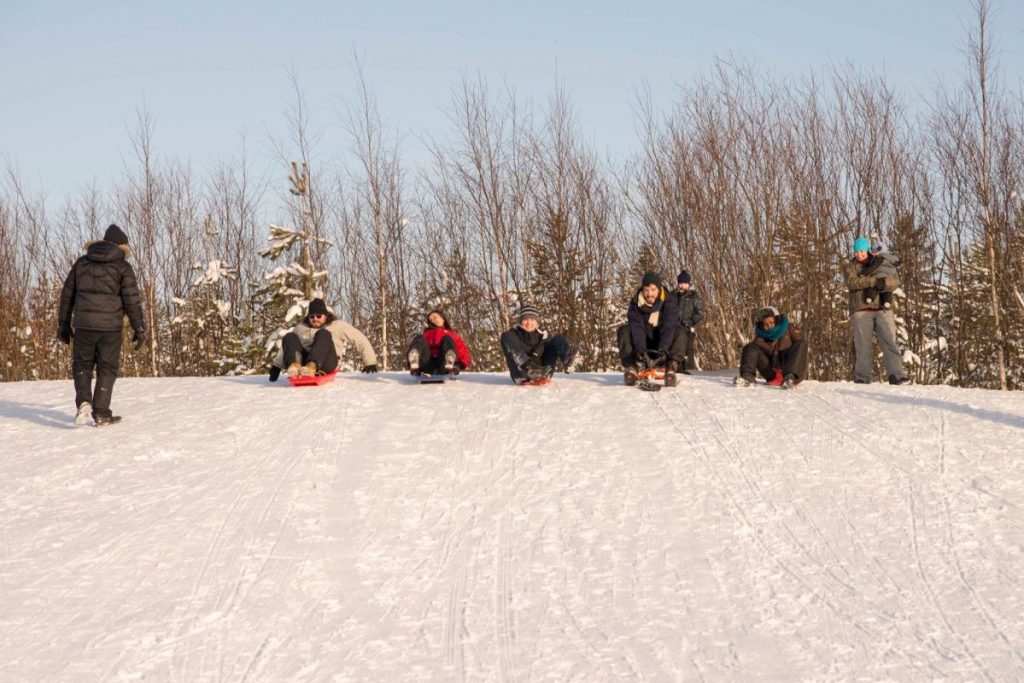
(861, 244)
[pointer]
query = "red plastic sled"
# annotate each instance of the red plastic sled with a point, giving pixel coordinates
(314, 381)
(535, 382)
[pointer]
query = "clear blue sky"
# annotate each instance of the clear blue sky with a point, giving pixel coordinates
(76, 72)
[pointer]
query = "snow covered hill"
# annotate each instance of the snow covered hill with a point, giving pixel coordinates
(232, 529)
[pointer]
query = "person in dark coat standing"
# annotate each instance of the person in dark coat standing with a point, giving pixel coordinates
(98, 292)
(531, 353)
(691, 314)
(778, 351)
(652, 326)
(439, 350)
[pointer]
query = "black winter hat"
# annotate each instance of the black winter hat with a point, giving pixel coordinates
(115, 234)
(317, 307)
(684, 277)
(651, 278)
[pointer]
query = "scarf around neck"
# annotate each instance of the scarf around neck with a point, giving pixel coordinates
(774, 333)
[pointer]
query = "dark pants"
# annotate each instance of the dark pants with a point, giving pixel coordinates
(676, 350)
(431, 365)
(102, 350)
(792, 361)
(556, 350)
(321, 352)
(687, 344)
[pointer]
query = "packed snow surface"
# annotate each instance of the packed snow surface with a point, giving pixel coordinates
(373, 529)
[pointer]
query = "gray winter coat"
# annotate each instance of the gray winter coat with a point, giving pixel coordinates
(342, 333)
(691, 307)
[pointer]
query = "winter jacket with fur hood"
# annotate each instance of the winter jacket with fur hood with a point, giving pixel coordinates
(100, 289)
(342, 333)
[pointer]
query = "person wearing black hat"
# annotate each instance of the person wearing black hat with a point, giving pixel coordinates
(316, 345)
(650, 334)
(691, 314)
(98, 292)
(778, 351)
(531, 353)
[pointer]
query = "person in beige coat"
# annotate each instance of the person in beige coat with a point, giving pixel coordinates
(315, 345)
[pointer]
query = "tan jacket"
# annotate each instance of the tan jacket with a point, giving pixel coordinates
(857, 283)
(342, 333)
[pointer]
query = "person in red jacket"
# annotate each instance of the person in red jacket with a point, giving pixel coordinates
(439, 350)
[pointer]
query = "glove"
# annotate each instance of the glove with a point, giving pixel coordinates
(64, 333)
(880, 284)
(371, 368)
(776, 381)
(275, 372)
(640, 357)
(138, 339)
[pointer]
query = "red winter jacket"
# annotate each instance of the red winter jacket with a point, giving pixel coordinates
(434, 335)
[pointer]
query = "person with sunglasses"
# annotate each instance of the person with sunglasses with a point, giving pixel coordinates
(316, 345)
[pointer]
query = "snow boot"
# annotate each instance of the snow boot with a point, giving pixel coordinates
(84, 413)
(308, 370)
(449, 362)
(106, 420)
(742, 382)
(414, 361)
(896, 381)
(670, 373)
(630, 375)
(294, 369)
(790, 381)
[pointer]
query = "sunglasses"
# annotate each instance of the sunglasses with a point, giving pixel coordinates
(318, 315)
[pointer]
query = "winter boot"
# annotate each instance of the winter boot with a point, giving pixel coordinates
(630, 376)
(743, 381)
(449, 362)
(309, 369)
(414, 361)
(670, 373)
(294, 369)
(106, 420)
(84, 413)
(789, 381)
(896, 381)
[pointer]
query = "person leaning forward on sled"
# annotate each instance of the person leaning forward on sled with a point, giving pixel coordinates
(651, 333)
(778, 351)
(100, 289)
(439, 350)
(530, 353)
(315, 345)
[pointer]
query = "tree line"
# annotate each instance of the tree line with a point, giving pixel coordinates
(756, 185)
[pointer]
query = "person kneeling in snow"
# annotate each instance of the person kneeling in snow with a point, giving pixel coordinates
(439, 350)
(530, 353)
(778, 351)
(316, 344)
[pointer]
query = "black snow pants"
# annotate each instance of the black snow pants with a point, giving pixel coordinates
(321, 352)
(102, 350)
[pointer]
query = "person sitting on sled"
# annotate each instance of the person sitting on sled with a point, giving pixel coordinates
(315, 345)
(530, 353)
(778, 351)
(439, 350)
(650, 337)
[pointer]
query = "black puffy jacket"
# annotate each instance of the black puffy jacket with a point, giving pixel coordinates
(99, 290)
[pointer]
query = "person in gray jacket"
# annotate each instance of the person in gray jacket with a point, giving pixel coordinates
(869, 318)
(316, 345)
(691, 314)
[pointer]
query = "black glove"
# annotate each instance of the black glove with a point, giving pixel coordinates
(138, 339)
(880, 284)
(372, 367)
(640, 357)
(64, 333)
(275, 372)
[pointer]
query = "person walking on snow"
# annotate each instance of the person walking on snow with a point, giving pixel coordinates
(316, 345)
(439, 350)
(100, 289)
(530, 353)
(651, 331)
(777, 351)
(691, 314)
(869, 318)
